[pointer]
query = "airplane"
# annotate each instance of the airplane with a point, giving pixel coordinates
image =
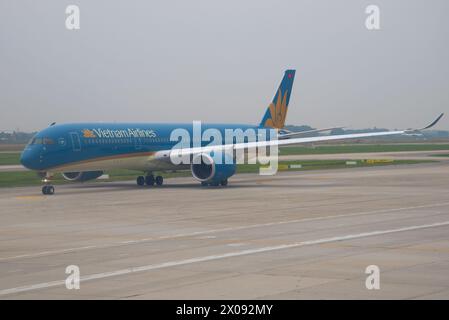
(83, 151)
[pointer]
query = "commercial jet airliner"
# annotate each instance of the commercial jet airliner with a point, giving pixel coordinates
(83, 151)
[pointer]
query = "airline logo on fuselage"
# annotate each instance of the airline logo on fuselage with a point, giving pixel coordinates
(88, 134)
(118, 133)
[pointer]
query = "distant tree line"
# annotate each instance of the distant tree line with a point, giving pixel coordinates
(427, 135)
(15, 137)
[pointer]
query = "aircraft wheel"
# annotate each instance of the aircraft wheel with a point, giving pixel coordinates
(224, 182)
(48, 190)
(140, 180)
(215, 184)
(204, 184)
(149, 180)
(159, 180)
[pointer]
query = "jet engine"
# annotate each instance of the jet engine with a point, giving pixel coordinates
(212, 168)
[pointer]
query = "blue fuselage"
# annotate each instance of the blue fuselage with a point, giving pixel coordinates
(59, 146)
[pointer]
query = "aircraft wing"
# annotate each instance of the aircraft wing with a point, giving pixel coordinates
(174, 153)
(415, 131)
(300, 133)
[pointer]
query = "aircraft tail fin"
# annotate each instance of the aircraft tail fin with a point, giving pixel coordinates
(276, 112)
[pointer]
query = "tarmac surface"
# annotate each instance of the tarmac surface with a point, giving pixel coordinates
(296, 235)
(403, 155)
(435, 155)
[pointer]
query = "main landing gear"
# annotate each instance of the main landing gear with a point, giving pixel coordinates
(149, 180)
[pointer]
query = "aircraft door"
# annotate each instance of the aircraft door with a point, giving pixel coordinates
(76, 143)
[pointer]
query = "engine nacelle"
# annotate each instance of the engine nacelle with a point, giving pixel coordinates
(205, 169)
(82, 176)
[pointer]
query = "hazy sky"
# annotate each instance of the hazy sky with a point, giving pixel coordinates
(221, 61)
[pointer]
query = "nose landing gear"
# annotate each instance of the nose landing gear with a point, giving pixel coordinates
(47, 189)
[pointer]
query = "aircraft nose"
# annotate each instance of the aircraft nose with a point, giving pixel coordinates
(29, 159)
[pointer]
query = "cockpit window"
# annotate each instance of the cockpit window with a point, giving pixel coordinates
(42, 141)
(36, 141)
(48, 141)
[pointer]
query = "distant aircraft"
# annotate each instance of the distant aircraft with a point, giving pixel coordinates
(83, 151)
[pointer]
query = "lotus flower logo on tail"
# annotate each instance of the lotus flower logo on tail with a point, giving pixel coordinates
(276, 112)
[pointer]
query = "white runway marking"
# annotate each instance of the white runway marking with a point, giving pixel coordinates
(6, 168)
(205, 232)
(169, 264)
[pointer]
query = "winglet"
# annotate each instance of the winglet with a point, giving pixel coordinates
(434, 122)
(414, 131)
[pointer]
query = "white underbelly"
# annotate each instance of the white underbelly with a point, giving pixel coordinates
(140, 163)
